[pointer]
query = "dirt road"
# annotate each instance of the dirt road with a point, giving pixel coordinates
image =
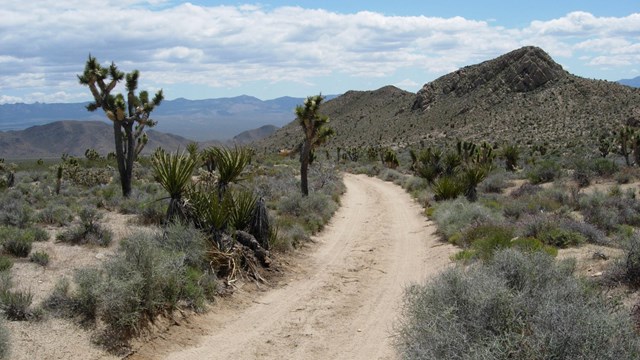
(344, 302)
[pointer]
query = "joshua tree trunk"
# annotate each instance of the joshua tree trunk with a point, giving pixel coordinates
(304, 168)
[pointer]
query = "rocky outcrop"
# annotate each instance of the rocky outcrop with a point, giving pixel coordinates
(522, 70)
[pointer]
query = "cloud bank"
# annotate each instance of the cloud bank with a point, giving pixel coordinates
(44, 45)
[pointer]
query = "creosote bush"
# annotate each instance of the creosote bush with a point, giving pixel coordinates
(89, 231)
(517, 306)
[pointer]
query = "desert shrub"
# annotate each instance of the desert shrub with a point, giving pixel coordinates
(609, 212)
(604, 167)
(186, 240)
(289, 237)
(389, 174)
(544, 171)
(483, 230)
(414, 183)
(59, 302)
(453, 216)
(520, 306)
(529, 245)
(36, 234)
(5, 263)
(18, 246)
(16, 305)
(89, 231)
(495, 183)
(5, 342)
(14, 210)
(55, 214)
(625, 175)
(146, 278)
(551, 230)
(526, 189)
(626, 269)
(153, 213)
(84, 300)
(40, 258)
(313, 211)
(582, 176)
(591, 234)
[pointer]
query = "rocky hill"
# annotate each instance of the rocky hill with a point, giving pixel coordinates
(521, 97)
(73, 137)
(250, 136)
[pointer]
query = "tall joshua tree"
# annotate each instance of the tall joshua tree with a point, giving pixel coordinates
(129, 113)
(316, 132)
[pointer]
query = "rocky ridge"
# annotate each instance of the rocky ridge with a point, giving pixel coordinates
(521, 97)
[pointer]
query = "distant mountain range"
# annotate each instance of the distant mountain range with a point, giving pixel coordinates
(635, 82)
(219, 119)
(74, 138)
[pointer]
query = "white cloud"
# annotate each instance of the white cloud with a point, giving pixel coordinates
(7, 99)
(45, 43)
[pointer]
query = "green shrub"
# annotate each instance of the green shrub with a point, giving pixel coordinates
(604, 167)
(37, 234)
(186, 240)
(544, 171)
(609, 212)
(87, 295)
(453, 216)
(494, 183)
(518, 306)
(59, 302)
(561, 238)
(529, 245)
(5, 263)
(89, 231)
(40, 258)
(55, 214)
(16, 305)
(20, 247)
(5, 342)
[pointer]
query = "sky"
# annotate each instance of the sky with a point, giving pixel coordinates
(269, 49)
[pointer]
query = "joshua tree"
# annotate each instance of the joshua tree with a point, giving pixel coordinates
(625, 140)
(316, 133)
(129, 113)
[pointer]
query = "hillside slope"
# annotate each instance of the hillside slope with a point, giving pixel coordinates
(522, 97)
(73, 137)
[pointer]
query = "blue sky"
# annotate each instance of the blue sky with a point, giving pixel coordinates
(268, 49)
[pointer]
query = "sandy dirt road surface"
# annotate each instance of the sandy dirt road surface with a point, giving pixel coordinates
(345, 298)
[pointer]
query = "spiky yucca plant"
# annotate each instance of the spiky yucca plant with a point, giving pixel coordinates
(511, 155)
(470, 178)
(230, 163)
(447, 187)
(173, 172)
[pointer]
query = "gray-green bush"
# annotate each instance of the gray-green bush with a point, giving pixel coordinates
(518, 306)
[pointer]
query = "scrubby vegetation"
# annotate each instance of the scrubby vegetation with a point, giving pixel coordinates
(507, 297)
(516, 306)
(224, 217)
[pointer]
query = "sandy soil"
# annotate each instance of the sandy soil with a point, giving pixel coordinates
(53, 338)
(340, 303)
